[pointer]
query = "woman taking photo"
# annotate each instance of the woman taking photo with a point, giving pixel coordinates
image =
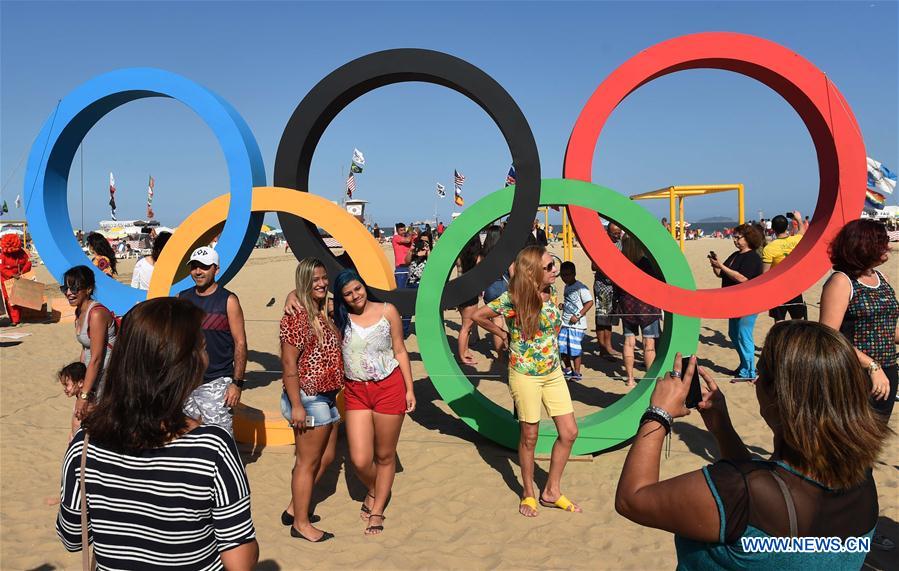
(817, 482)
(535, 370)
(742, 265)
(102, 255)
(313, 374)
(858, 301)
(378, 391)
(160, 490)
(95, 330)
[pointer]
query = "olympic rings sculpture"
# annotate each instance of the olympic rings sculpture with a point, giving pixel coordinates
(823, 109)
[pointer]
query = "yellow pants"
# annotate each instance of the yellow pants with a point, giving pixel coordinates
(529, 391)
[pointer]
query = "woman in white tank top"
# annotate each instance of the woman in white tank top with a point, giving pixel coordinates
(378, 391)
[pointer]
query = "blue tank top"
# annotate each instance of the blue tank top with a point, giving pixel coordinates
(219, 342)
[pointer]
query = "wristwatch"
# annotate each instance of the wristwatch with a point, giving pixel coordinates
(238, 383)
(84, 395)
(873, 367)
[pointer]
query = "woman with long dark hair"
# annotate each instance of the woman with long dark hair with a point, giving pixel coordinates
(95, 330)
(818, 482)
(859, 301)
(313, 375)
(102, 255)
(468, 258)
(535, 370)
(378, 391)
(160, 490)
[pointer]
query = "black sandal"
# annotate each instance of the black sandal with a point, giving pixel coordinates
(364, 509)
(325, 535)
(370, 527)
(287, 519)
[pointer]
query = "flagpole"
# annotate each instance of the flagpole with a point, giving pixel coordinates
(82, 193)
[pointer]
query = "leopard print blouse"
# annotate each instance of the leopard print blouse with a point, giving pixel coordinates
(320, 365)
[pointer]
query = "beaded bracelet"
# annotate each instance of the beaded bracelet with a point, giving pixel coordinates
(661, 416)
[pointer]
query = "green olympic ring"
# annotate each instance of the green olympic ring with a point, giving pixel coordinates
(600, 430)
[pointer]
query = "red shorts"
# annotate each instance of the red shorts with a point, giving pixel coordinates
(387, 396)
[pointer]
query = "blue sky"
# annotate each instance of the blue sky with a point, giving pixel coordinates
(694, 127)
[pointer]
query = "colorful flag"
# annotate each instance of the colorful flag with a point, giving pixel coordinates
(459, 200)
(350, 185)
(4, 209)
(150, 186)
(881, 182)
(354, 168)
(112, 196)
(358, 158)
(441, 190)
(459, 179)
(510, 178)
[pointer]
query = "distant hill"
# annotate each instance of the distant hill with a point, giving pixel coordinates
(717, 219)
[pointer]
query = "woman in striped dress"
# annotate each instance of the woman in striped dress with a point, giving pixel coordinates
(161, 490)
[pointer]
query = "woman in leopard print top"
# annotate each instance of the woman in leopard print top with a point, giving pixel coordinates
(313, 374)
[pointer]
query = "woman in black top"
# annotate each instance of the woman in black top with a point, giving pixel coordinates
(742, 265)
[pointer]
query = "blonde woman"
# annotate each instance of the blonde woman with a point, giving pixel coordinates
(535, 370)
(313, 374)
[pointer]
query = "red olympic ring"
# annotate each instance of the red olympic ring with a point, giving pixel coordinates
(834, 131)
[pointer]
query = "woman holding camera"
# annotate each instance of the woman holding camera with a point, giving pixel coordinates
(817, 483)
(741, 266)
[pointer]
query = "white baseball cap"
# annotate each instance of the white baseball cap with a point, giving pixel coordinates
(205, 255)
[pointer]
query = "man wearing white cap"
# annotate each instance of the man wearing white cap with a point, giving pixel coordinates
(226, 342)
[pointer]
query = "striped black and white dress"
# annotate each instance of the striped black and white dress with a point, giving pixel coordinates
(175, 507)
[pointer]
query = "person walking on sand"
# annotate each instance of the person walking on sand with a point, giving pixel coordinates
(535, 370)
(313, 374)
(226, 342)
(378, 391)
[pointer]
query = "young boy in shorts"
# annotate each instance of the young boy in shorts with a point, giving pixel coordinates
(577, 303)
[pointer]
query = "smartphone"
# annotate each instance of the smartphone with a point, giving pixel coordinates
(695, 393)
(310, 421)
(713, 255)
(789, 215)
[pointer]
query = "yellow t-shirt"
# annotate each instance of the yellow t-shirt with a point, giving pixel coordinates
(775, 252)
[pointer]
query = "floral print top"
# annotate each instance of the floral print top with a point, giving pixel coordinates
(537, 356)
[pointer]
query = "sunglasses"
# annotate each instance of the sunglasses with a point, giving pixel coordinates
(550, 266)
(67, 288)
(737, 236)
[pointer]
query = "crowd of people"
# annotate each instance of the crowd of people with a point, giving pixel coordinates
(152, 472)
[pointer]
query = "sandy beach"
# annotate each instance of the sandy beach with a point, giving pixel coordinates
(455, 498)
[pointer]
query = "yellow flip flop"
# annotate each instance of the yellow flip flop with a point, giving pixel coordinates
(563, 503)
(530, 502)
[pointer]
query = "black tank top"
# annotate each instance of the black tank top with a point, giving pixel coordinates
(219, 342)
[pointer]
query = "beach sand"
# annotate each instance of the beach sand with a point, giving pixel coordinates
(455, 498)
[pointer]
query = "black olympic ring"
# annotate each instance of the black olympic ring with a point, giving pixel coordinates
(343, 86)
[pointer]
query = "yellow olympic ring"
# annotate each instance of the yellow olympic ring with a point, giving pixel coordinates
(361, 246)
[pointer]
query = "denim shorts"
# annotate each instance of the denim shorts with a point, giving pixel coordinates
(322, 407)
(652, 330)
